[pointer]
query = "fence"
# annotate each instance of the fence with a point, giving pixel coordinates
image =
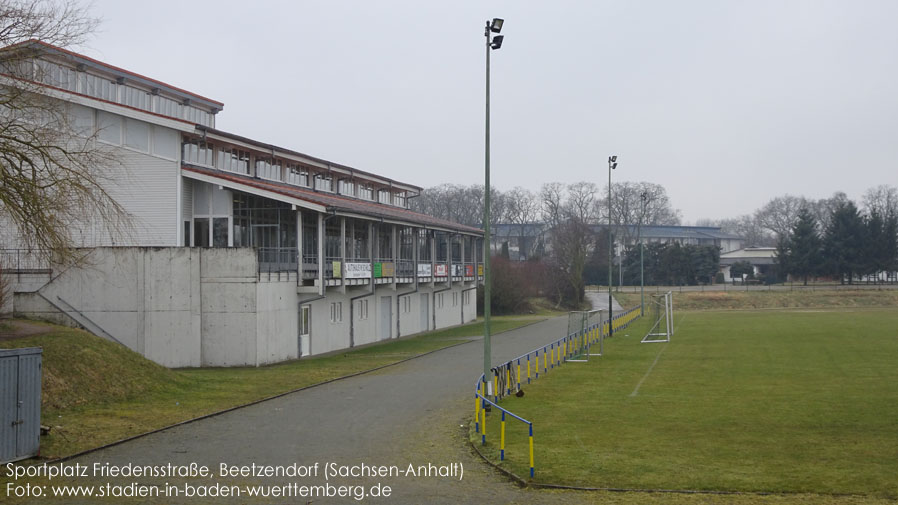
(507, 377)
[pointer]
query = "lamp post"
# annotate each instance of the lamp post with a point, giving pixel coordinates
(494, 26)
(645, 197)
(612, 164)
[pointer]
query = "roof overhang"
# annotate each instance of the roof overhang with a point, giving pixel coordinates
(226, 183)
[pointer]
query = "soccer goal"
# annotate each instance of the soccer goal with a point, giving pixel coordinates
(584, 329)
(660, 310)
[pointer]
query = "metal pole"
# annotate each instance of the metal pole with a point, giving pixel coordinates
(486, 229)
(610, 257)
(641, 259)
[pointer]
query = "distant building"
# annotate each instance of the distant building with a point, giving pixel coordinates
(762, 259)
(533, 239)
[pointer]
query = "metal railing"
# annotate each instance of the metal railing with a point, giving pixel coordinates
(507, 377)
(277, 259)
(23, 261)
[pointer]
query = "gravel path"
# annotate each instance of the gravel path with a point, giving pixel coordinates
(411, 413)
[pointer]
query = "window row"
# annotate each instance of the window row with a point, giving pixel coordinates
(130, 133)
(68, 78)
(198, 152)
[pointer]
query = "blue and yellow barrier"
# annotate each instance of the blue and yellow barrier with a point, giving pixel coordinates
(506, 377)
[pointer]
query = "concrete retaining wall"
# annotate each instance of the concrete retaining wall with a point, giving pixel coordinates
(190, 307)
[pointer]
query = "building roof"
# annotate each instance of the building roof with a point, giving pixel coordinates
(330, 165)
(753, 255)
(332, 202)
(517, 230)
(43, 47)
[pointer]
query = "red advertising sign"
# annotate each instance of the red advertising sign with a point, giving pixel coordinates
(469, 270)
(441, 270)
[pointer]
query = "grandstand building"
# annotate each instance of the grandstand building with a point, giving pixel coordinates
(241, 252)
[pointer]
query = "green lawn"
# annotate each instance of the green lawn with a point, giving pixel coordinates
(95, 392)
(780, 401)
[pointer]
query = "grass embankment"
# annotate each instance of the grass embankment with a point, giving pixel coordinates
(730, 300)
(96, 392)
(756, 401)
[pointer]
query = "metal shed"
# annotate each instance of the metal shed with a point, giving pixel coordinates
(20, 403)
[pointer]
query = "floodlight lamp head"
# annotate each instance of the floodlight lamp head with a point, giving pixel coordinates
(497, 41)
(613, 166)
(612, 159)
(496, 25)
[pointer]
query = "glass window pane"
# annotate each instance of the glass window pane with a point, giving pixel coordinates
(201, 232)
(110, 128)
(220, 232)
(137, 135)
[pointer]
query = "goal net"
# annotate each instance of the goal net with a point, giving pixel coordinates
(660, 310)
(584, 335)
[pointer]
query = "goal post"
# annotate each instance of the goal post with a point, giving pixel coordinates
(660, 310)
(584, 331)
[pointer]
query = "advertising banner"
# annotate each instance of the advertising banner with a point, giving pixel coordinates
(336, 265)
(357, 271)
(469, 270)
(387, 269)
(425, 270)
(441, 270)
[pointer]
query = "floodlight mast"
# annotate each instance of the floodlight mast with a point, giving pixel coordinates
(491, 43)
(612, 164)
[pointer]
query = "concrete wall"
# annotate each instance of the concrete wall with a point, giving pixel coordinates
(180, 307)
(188, 307)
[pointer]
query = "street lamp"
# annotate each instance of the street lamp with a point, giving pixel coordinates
(645, 197)
(612, 164)
(494, 26)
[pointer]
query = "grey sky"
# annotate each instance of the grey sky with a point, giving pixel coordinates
(725, 103)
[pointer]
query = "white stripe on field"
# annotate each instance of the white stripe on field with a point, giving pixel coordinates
(646, 376)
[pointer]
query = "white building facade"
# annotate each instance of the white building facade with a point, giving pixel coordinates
(240, 252)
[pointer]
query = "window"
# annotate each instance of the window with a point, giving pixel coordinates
(323, 182)
(220, 232)
(134, 97)
(407, 304)
(197, 152)
(268, 169)
(187, 233)
(305, 321)
(201, 232)
(336, 312)
(346, 187)
(363, 309)
(439, 300)
(455, 299)
(137, 135)
(165, 143)
(366, 193)
(297, 175)
(110, 128)
(233, 160)
(167, 107)
(399, 199)
(383, 196)
(467, 298)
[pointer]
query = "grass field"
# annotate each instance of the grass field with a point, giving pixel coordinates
(95, 392)
(759, 401)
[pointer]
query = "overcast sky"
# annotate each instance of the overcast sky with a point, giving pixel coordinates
(725, 103)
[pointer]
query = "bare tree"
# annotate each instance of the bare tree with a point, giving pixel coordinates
(627, 207)
(779, 214)
(52, 171)
(551, 196)
(882, 199)
(581, 201)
